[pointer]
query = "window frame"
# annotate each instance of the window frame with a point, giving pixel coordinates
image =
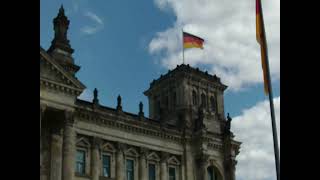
(103, 166)
(155, 170)
(83, 163)
(175, 172)
(133, 168)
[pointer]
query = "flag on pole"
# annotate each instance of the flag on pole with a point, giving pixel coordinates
(192, 41)
(261, 38)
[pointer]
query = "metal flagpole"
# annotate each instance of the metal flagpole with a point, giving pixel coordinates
(182, 49)
(273, 120)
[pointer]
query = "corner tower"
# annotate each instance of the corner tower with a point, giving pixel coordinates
(60, 48)
(187, 98)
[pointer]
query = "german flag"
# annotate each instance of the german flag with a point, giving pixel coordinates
(192, 41)
(261, 38)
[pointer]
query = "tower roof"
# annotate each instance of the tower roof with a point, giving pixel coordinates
(187, 71)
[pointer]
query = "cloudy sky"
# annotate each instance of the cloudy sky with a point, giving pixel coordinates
(122, 45)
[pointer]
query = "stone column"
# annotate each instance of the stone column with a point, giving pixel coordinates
(42, 109)
(120, 170)
(95, 158)
(143, 166)
(56, 154)
(163, 166)
(189, 169)
(202, 164)
(68, 147)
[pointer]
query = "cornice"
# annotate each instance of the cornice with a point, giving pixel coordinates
(59, 87)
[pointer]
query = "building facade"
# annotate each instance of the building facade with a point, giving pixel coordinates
(185, 137)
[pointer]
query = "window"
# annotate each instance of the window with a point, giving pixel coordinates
(194, 98)
(106, 165)
(130, 169)
(203, 100)
(213, 104)
(80, 161)
(166, 101)
(211, 174)
(152, 172)
(174, 99)
(172, 173)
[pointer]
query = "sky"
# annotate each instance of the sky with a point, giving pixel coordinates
(122, 45)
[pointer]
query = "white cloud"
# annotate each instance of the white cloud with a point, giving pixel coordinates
(253, 129)
(228, 27)
(98, 24)
(86, 95)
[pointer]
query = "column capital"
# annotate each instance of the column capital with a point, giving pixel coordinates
(96, 142)
(69, 118)
(164, 156)
(203, 159)
(120, 147)
(43, 107)
(144, 152)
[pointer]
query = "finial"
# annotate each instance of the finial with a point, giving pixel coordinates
(61, 10)
(119, 107)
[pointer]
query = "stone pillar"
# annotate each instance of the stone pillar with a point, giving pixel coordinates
(42, 109)
(56, 154)
(143, 166)
(202, 164)
(189, 169)
(95, 158)
(120, 170)
(163, 166)
(68, 147)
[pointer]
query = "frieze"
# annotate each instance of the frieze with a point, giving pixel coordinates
(121, 124)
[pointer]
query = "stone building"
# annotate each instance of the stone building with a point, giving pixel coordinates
(186, 137)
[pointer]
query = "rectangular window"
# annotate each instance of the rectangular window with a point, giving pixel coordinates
(172, 173)
(130, 169)
(106, 165)
(80, 161)
(152, 172)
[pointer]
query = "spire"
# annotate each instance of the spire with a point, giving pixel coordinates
(61, 25)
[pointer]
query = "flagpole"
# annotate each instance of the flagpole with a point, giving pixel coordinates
(273, 120)
(182, 49)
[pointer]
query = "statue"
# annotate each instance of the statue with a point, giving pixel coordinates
(228, 124)
(119, 107)
(140, 107)
(95, 96)
(141, 114)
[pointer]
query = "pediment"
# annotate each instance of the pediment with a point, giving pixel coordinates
(153, 156)
(108, 147)
(52, 72)
(83, 142)
(173, 160)
(132, 152)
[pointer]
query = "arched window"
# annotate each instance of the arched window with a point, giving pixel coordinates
(212, 175)
(174, 99)
(213, 103)
(194, 98)
(203, 100)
